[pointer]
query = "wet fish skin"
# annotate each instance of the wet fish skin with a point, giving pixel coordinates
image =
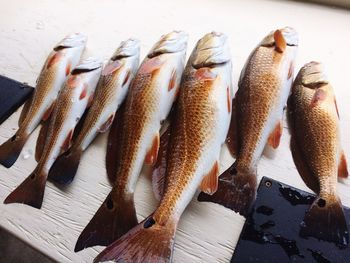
(71, 104)
(111, 91)
(202, 118)
(62, 59)
(148, 103)
(317, 152)
(264, 86)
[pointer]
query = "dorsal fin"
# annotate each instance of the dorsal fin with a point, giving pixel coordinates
(280, 42)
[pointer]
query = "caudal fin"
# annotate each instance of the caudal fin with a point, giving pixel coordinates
(30, 191)
(326, 221)
(147, 242)
(65, 167)
(11, 149)
(236, 191)
(114, 218)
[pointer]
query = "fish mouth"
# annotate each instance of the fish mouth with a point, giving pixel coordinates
(128, 48)
(290, 35)
(312, 75)
(72, 40)
(212, 49)
(87, 65)
(173, 42)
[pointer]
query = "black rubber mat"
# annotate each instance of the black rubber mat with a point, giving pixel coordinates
(12, 95)
(271, 232)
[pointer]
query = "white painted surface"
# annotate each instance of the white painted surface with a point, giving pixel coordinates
(207, 232)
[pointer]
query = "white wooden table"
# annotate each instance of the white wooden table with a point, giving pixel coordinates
(207, 232)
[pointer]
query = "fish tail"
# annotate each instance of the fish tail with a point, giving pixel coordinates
(236, 191)
(325, 220)
(11, 149)
(65, 167)
(147, 242)
(114, 218)
(30, 191)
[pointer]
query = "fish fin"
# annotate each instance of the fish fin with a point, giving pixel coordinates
(127, 77)
(275, 136)
(68, 68)
(343, 166)
(236, 191)
(290, 70)
(152, 153)
(67, 142)
(105, 127)
(112, 220)
(325, 220)
(151, 65)
(172, 81)
(90, 100)
(209, 184)
(205, 74)
(232, 135)
(41, 140)
(112, 67)
(30, 191)
(113, 144)
(147, 242)
(54, 59)
(11, 149)
(48, 112)
(159, 170)
(309, 179)
(319, 96)
(280, 42)
(84, 91)
(25, 110)
(65, 167)
(336, 107)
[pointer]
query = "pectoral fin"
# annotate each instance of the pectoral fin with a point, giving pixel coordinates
(280, 42)
(232, 135)
(67, 141)
(319, 96)
(275, 136)
(152, 154)
(209, 184)
(343, 167)
(25, 110)
(105, 127)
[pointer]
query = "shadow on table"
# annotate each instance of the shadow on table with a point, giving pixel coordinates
(13, 250)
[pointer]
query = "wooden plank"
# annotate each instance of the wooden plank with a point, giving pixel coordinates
(207, 232)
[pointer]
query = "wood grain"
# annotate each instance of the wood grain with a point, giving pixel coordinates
(207, 232)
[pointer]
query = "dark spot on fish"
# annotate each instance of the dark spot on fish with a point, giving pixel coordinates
(294, 197)
(149, 222)
(321, 202)
(32, 176)
(265, 210)
(13, 138)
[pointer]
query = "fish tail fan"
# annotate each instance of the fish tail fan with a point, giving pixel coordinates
(11, 149)
(147, 242)
(30, 191)
(65, 167)
(114, 218)
(325, 220)
(236, 191)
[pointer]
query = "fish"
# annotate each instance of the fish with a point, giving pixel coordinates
(263, 89)
(313, 119)
(62, 59)
(148, 103)
(110, 94)
(201, 122)
(71, 103)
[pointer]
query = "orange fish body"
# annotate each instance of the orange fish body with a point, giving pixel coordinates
(264, 86)
(64, 57)
(147, 105)
(70, 106)
(317, 152)
(202, 118)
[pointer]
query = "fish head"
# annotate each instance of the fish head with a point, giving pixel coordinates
(127, 48)
(212, 49)
(173, 42)
(72, 41)
(290, 35)
(312, 75)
